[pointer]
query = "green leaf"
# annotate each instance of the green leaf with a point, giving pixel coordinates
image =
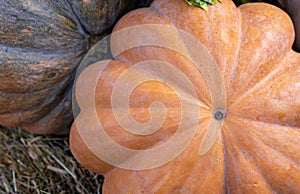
(202, 3)
(209, 1)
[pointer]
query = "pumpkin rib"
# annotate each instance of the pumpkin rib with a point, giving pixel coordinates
(135, 55)
(266, 164)
(32, 114)
(257, 134)
(15, 119)
(30, 72)
(84, 155)
(212, 32)
(112, 71)
(275, 97)
(78, 22)
(278, 128)
(105, 116)
(134, 141)
(90, 17)
(246, 172)
(216, 52)
(81, 27)
(61, 53)
(47, 37)
(103, 92)
(182, 180)
(11, 102)
(256, 86)
(236, 58)
(225, 156)
(58, 120)
(259, 24)
(212, 36)
(36, 15)
(296, 128)
(276, 185)
(202, 102)
(253, 163)
(163, 12)
(140, 181)
(203, 184)
(180, 61)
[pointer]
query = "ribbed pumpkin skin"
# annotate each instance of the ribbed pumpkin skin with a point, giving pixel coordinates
(258, 150)
(42, 43)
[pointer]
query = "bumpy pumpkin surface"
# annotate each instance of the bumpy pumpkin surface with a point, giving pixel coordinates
(42, 43)
(258, 148)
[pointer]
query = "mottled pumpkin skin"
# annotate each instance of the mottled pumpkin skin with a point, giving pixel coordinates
(258, 149)
(42, 43)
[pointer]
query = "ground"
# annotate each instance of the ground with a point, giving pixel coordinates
(41, 164)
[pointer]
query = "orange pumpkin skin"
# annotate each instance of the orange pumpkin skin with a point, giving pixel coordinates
(258, 149)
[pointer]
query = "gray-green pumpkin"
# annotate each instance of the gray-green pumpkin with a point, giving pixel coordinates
(41, 44)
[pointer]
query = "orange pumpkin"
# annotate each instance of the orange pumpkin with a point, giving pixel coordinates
(257, 149)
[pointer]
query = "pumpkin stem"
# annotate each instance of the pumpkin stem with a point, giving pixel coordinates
(202, 3)
(220, 114)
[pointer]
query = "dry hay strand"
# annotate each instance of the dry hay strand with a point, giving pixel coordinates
(41, 164)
